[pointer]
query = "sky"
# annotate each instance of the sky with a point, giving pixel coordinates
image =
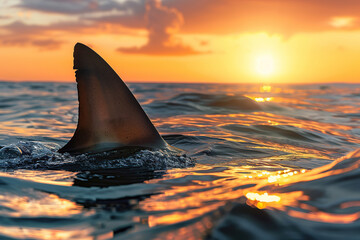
(218, 41)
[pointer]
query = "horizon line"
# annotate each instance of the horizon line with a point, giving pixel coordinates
(194, 82)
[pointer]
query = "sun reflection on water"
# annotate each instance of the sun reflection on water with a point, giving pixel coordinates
(203, 190)
(261, 99)
(46, 234)
(43, 205)
(265, 88)
(62, 178)
(319, 216)
(205, 193)
(264, 197)
(187, 195)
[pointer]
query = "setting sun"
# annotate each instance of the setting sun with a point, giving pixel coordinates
(264, 65)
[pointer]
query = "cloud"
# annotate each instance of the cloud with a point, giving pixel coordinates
(126, 13)
(343, 22)
(214, 16)
(129, 14)
(44, 43)
(167, 19)
(74, 6)
(162, 25)
(273, 16)
(20, 34)
(50, 37)
(93, 16)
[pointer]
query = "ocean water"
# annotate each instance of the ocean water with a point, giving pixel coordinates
(260, 162)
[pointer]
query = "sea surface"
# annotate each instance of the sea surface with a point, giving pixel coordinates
(259, 162)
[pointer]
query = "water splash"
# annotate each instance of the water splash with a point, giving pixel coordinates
(36, 155)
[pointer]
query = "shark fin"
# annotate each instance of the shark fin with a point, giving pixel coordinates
(109, 115)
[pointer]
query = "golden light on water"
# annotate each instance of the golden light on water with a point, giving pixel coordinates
(203, 189)
(283, 174)
(320, 216)
(192, 193)
(48, 234)
(62, 178)
(265, 88)
(194, 205)
(261, 99)
(48, 205)
(180, 216)
(264, 197)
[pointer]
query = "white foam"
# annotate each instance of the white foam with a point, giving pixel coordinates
(36, 155)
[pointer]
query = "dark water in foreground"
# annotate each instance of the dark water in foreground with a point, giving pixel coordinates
(264, 168)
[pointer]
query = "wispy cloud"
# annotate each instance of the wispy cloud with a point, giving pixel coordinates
(20, 34)
(165, 21)
(272, 16)
(75, 6)
(162, 24)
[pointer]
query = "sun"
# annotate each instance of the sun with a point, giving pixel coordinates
(265, 65)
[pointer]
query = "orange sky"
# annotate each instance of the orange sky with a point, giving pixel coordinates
(239, 41)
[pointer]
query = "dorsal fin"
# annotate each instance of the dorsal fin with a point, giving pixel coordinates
(109, 115)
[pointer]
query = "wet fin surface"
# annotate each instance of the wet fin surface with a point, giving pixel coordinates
(109, 115)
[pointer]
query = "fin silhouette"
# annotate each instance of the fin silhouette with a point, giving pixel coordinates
(109, 115)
